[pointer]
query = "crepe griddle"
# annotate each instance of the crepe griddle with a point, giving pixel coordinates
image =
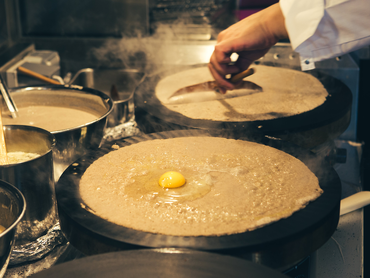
(159, 263)
(277, 245)
(308, 129)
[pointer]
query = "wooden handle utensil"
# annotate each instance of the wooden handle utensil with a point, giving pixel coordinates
(239, 76)
(38, 76)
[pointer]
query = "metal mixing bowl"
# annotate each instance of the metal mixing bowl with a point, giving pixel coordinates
(12, 209)
(73, 142)
(34, 178)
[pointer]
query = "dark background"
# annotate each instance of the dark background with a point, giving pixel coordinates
(364, 136)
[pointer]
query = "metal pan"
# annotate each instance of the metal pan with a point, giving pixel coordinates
(308, 129)
(12, 209)
(278, 245)
(160, 263)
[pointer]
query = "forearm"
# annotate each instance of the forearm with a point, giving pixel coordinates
(274, 22)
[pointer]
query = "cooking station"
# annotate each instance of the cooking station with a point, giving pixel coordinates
(337, 250)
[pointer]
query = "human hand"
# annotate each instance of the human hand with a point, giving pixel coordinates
(250, 38)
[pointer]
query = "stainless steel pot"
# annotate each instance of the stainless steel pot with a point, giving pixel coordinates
(34, 178)
(73, 142)
(12, 209)
(119, 84)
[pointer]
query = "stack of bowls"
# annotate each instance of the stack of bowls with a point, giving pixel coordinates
(56, 149)
(33, 177)
(12, 209)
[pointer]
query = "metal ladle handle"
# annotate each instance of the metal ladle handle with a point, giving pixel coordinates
(8, 99)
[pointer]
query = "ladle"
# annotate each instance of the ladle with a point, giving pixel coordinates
(8, 99)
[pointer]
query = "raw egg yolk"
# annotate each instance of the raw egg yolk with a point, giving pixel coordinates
(171, 180)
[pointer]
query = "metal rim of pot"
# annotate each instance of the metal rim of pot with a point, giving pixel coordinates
(50, 136)
(19, 196)
(7, 236)
(80, 89)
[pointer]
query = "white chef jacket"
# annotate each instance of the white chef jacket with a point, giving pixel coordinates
(323, 29)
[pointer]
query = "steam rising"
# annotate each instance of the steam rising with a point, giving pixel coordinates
(161, 50)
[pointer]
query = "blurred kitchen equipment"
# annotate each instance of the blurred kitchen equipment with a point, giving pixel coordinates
(8, 99)
(34, 178)
(3, 153)
(73, 142)
(117, 83)
(12, 209)
(354, 202)
(33, 64)
(165, 263)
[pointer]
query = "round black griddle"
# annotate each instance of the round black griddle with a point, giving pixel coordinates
(278, 245)
(160, 263)
(308, 129)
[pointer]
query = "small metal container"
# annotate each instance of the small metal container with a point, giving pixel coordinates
(119, 84)
(12, 209)
(34, 178)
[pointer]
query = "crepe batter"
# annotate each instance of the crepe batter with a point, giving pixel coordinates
(285, 92)
(18, 157)
(50, 118)
(232, 186)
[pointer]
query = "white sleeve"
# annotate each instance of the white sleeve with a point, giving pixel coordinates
(323, 29)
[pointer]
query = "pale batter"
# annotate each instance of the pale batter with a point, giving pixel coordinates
(285, 92)
(232, 186)
(50, 118)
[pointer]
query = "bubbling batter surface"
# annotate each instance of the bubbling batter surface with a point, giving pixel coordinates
(232, 186)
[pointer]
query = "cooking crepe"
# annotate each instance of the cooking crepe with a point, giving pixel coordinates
(245, 191)
(285, 92)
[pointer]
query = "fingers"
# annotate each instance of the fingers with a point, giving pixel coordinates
(220, 66)
(220, 80)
